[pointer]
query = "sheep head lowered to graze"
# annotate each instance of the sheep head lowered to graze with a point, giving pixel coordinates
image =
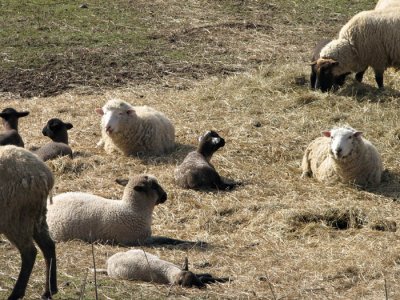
(77, 215)
(10, 122)
(343, 155)
(143, 266)
(196, 171)
(134, 130)
(25, 183)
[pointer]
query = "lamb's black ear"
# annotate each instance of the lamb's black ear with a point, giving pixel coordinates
(185, 266)
(22, 114)
(122, 182)
(68, 126)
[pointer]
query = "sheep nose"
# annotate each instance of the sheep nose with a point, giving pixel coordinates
(162, 198)
(338, 150)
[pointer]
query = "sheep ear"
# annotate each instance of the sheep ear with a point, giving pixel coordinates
(122, 182)
(357, 134)
(99, 111)
(23, 114)
(326, 133)
(69, 126)
(185, 266)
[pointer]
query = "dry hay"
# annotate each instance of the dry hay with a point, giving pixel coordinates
(276, 234)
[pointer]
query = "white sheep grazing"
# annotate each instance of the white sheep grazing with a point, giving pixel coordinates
(143, 266)
(25, 182)
(135, 129)
(87, 217)
(343, 155)
(370, 38)
(387, 4)
(196, 171)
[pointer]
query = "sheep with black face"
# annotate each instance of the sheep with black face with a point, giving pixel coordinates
(196, 171)
(10, 119)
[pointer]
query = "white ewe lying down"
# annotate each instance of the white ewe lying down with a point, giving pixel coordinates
(143, 266)
(370, 38)
(388, 4)
(196, 171)
(25, 182)
(10, 122)
(57, 131)
(92, 218)
(135, 129)
(343, 155)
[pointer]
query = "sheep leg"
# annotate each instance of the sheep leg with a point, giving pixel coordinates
(28, 255)
(360, 75)
(379, 78)
(305, 165)
(47, 246)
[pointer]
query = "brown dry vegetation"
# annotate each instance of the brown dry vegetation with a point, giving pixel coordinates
(277, 237)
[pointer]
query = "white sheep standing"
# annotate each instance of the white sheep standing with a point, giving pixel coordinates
(25, 182)
(388, 4)
(343, 155)
(370, 38)
(135, 129)
(143, 266)
(77, 215)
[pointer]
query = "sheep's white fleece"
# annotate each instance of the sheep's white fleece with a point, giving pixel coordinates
(370, 38)
(139, 265)
(147, 131)
(362, 167)
(77, 215)
(388, 4)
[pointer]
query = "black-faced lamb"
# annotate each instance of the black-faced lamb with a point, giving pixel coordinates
(10, 122)
(87, 217)
(370, 38)
(57, 131)
(334, 82)
(134, 130)
(143, 266)
(343, 155)
(196, 171)
(25, 183)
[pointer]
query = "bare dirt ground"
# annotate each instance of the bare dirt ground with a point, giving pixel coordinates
(243, 72)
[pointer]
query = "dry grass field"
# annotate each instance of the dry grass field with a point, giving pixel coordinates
(277, 236)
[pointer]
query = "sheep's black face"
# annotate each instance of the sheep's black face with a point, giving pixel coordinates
(189, 279)
(54, 127)
(10, 113)
(149, 185)
(325, 78)
(210, 142)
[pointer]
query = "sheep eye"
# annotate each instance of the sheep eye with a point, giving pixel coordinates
(350, 137)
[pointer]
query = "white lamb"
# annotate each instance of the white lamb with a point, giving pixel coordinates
(143, 266)
(343, 155)
(370, 38)
(90, 218)
(135, 129)
(388, 4)
(25, 183)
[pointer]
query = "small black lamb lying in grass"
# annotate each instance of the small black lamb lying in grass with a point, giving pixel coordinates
(10, 122)
(196, 171)
(57, 131)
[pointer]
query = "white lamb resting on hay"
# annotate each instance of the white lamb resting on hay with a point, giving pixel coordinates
(343, 155)
(370, 38)
(90, 218)
(143, 266)
(135, 129)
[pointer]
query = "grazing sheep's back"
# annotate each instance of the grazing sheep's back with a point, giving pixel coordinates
(90, 218)
(25, 182)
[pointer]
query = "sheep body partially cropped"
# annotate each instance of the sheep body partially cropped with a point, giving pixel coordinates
(342, 155)
(87, 217)
(143, 266)
(10, 122)
(25, 182)
(57, 131)
(196, 171)
(370, 38)
(135, 129)
(388, 4)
